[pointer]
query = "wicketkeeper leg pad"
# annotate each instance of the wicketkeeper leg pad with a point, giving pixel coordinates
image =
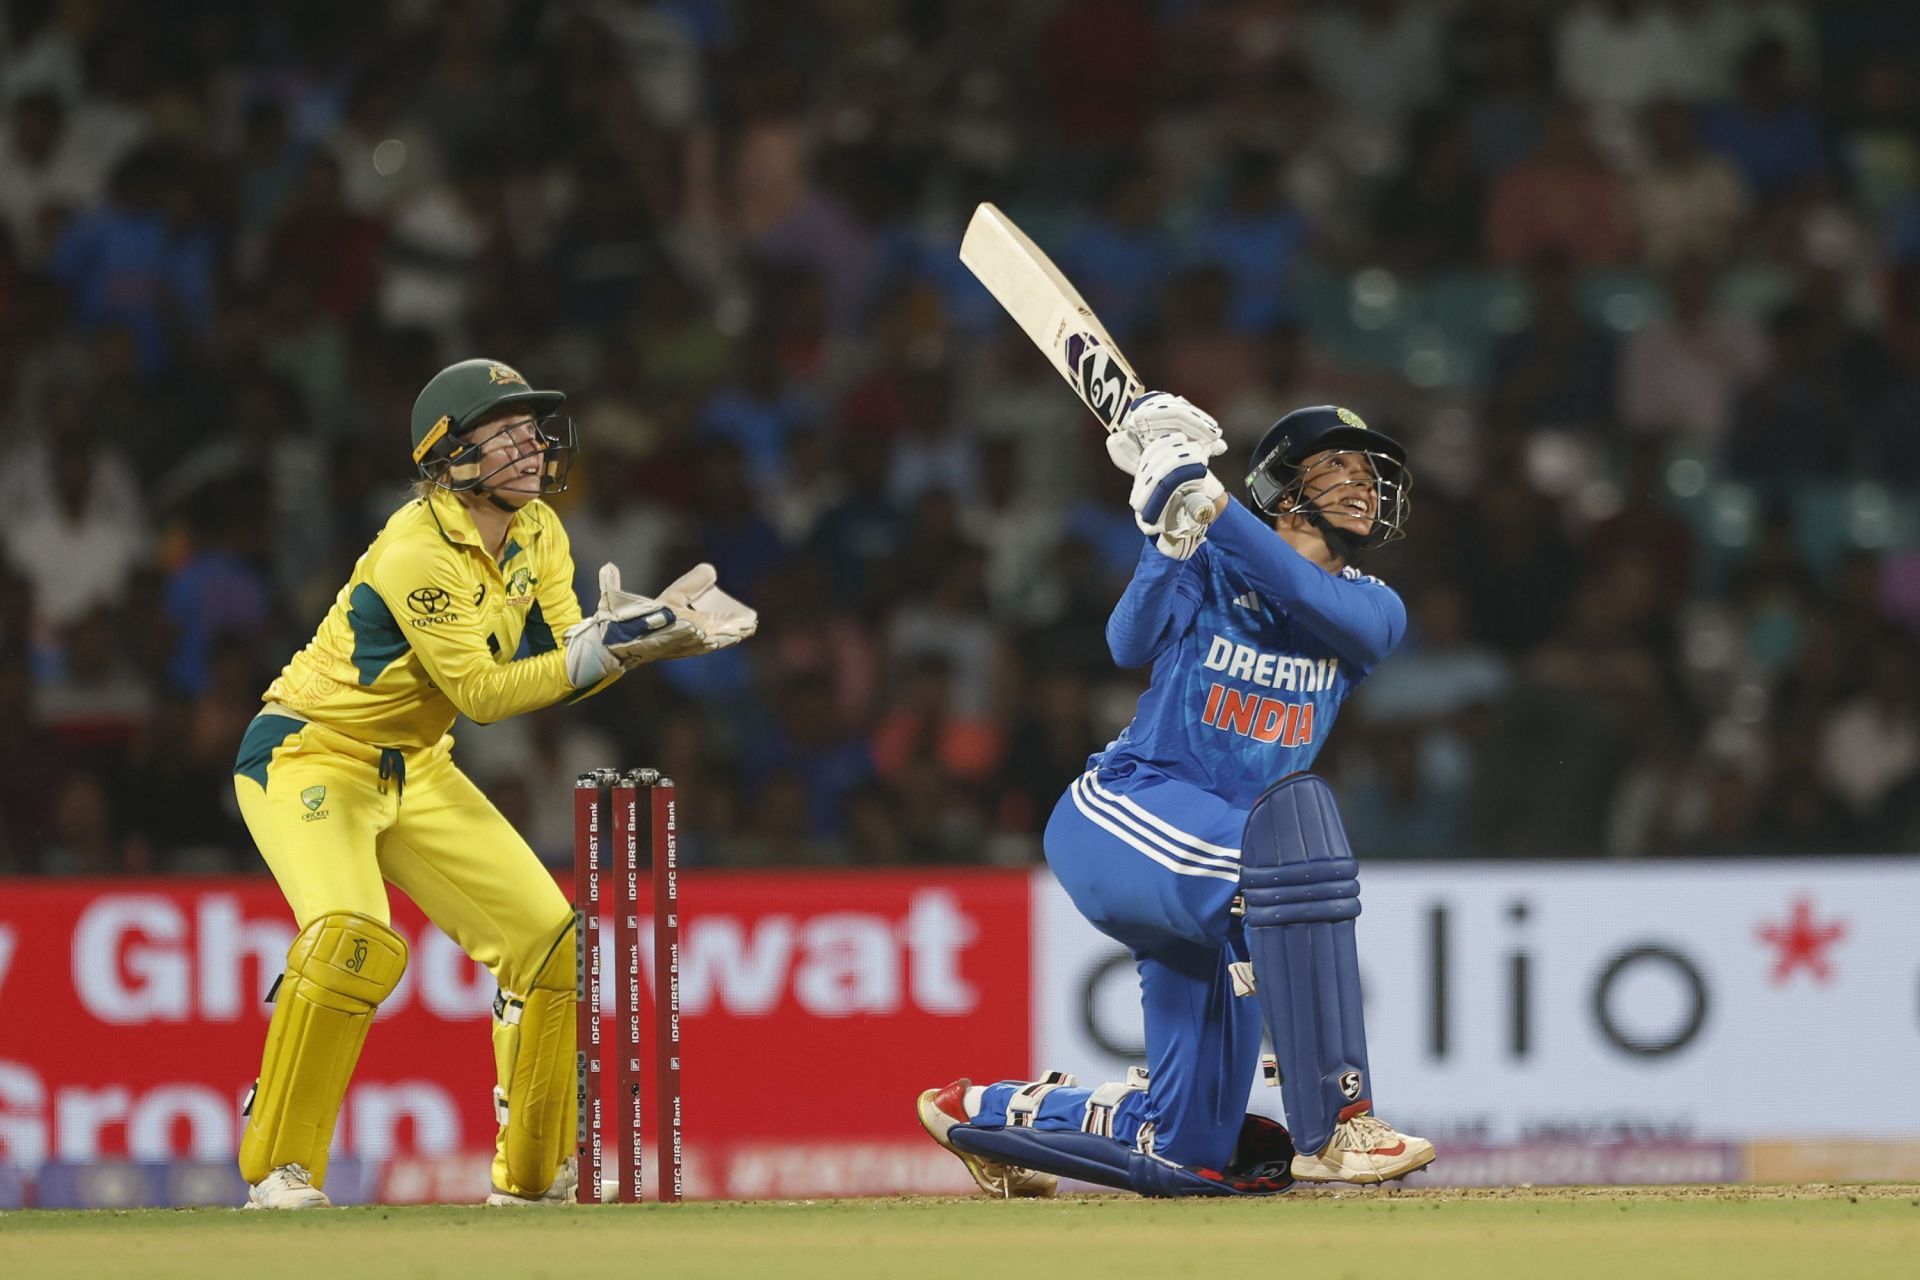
(533, 1052)
(1301, 887)
(339, 969)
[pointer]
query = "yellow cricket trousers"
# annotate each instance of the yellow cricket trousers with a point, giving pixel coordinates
(332, 828)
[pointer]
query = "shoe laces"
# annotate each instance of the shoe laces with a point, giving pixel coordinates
(1006, 1177)
(296, 1173)
(1367, 1132)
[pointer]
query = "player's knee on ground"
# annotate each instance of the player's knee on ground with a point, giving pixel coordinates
(534, 1036)
(339, 969)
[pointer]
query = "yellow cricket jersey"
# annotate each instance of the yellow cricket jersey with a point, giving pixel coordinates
(429, 624)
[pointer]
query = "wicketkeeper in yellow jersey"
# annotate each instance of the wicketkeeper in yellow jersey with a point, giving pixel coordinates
(346, 779)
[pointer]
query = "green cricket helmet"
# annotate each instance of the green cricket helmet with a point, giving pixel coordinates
(459, 397)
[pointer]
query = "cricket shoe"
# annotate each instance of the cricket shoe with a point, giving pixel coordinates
(565, 1188)
(1364, 1149)
(288, 1187)
(941, 1109)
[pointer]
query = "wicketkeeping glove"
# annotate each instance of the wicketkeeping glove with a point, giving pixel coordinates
(696, 595)
(692, 616)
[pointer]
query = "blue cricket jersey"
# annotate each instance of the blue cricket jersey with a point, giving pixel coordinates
(1253, 648)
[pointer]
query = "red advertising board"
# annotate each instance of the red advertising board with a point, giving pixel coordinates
(815, 1006)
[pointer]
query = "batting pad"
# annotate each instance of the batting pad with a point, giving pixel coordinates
(1109, 1163)
(533, 1051)
(339, 969)
(1302, 891)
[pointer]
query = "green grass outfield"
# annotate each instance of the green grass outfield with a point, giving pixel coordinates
(1618, 1234)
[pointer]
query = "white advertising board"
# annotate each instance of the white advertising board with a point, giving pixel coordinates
(1509, 1002)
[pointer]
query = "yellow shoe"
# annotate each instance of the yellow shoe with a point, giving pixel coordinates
(941, 1109)
(1364, 1149)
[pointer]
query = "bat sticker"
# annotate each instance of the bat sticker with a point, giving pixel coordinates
(1103, 381)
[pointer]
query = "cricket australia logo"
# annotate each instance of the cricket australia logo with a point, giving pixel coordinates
(520, 586)
(313, 798)
(1103, 381)
(499, 374)
(1350, 1085)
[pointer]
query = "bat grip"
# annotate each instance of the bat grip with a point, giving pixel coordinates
(1199, 508)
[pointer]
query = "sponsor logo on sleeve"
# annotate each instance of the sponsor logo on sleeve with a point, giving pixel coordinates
(433, 605)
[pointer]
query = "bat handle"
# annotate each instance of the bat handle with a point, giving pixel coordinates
(1199, 508)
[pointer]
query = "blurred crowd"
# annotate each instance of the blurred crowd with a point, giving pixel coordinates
(1635, 280)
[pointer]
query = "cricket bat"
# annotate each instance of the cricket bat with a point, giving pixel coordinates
(1044, 303)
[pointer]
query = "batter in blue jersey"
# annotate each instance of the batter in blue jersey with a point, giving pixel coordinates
(1198, 840)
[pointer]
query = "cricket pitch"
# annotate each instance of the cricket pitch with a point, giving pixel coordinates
(1604, 1233)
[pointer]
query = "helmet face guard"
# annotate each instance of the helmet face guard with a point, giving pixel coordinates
(454, 463)
(1277, 484)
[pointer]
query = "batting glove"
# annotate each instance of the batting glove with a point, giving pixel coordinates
(1156, 414)
(1174, 494)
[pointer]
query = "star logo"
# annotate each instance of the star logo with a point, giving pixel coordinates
(1801, 943)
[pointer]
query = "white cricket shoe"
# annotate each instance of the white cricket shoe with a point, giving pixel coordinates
(941, 1109)
(1364, 1149)
(288, 1187)
(565, 1188)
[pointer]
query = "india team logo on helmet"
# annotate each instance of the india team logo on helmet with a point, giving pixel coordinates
(1351, 418)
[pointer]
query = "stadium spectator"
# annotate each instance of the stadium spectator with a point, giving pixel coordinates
(1773, 140)
(43, 176)
(1558, 370)
(1619, 55)
(1689, 202)
(1681, 375)
(1561, 198)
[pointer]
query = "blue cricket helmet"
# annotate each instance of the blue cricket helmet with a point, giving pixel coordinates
(1275, 480)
